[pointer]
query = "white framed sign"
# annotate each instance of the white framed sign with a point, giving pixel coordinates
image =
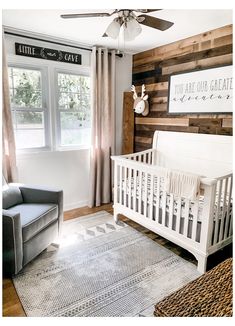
(201, 91)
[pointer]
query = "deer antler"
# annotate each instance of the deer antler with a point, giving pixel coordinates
(134, 91)
(143, 90)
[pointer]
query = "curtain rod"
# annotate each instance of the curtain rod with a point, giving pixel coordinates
(120, 55)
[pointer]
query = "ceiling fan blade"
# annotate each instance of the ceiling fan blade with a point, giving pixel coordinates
(154, 22)
(87, 15)
(145, 10)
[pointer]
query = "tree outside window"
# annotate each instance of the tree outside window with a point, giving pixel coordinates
(27, 110)
(74, 109)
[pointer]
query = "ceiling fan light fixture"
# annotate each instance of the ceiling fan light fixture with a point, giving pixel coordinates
(131, 29)
(113, 29)
(127, 23)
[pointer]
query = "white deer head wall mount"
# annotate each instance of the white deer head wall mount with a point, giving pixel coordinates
(141, 105)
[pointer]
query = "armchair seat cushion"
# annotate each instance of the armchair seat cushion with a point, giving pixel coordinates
(35, 217)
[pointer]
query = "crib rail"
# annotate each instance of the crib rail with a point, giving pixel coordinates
(147, 157)
(222, 210)
(138, 191)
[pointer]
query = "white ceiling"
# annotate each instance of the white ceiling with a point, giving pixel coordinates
(89, 30)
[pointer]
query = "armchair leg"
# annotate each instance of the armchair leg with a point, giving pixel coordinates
(55, 244)
(53, 247)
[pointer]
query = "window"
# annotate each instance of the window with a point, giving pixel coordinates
(28, 107)
(61, 121)
(73, 110)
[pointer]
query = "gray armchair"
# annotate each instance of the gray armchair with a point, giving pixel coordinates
(32, 220)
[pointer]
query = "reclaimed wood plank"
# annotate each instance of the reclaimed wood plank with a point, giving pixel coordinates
(146, 81)
(204, 63)
(154, 87)
(155, 107)
(204, 54)
(205, 122)
(227, 39)
(139, 147)
(128, 124)
(158, 100)
(227, 115)
(145, 140)
(165, 51)
(144, 133)
(227, 123)
(225, 131)
(143, 68)
(163, 121)
(159, 93)
(152, 128)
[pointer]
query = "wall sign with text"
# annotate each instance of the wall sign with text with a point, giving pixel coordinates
(47, 54)
(201, 91)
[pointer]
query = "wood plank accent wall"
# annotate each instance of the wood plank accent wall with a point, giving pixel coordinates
(128, 124)
(153, 68)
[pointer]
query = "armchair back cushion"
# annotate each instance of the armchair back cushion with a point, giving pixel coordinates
(11, 196)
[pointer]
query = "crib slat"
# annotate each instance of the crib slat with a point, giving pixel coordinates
(120, 185)
(115, 190)
(145, 193)
(178, 215)
(157, 181)
(228, 208)
(151, 197)
(231, 226)
(140, 190)
(134, 194)
(171, 211)
(217, 212)
(194, 220)
(129, 186)
(225, 183)
(125, 185)
(144, 157)
(186, 217)
(149, 157)
(164, 196)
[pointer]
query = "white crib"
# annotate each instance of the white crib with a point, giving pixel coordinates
(202, 226)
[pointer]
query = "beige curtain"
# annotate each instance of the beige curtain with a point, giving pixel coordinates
(103, 126)
(8, 141)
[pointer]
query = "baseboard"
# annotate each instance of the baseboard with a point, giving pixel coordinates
(82, 203)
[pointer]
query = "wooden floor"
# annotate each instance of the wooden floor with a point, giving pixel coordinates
(11, 303)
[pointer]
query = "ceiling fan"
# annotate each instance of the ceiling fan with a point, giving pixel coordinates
(128, 20)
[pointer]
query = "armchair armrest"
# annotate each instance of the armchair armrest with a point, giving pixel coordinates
(12, 243)
(37, 194)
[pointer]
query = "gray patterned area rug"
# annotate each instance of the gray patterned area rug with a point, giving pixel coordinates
(101, 269)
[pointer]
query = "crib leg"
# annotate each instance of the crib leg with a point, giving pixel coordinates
(115, 216)
(202, 263)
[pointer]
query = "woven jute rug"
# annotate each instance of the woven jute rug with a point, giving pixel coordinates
(211, 295)
(101, 269)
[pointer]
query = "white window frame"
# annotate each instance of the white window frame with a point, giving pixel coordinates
(45, 105)
(82, 71)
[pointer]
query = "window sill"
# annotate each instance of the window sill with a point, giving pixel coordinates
(45, 151)
(72, 148)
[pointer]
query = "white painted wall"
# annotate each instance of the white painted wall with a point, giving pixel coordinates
(123, 83)
(66, 169)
